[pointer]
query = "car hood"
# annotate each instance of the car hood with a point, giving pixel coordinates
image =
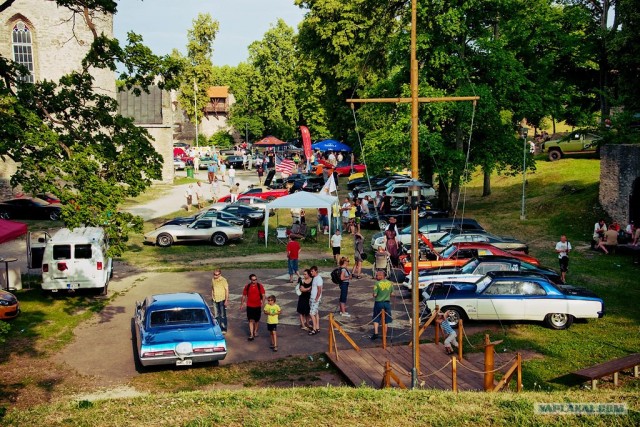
(158, 336)
(172, 227)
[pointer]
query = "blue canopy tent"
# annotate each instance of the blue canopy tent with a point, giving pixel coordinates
(330, 145)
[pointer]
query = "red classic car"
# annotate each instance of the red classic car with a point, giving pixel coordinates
(260, 192)
(343, 169)
(457, 254)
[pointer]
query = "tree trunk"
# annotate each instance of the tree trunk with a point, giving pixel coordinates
(486, 184)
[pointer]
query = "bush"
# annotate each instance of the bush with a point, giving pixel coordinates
(4, 331)
(222, 140)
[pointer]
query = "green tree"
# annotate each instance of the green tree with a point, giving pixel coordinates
(198, 66)
(68, 139)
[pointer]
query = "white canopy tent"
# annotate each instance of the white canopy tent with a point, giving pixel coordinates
(301, 199)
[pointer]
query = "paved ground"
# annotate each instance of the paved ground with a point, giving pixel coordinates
(103, 347)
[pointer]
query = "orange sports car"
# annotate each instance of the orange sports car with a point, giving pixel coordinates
(9, 305)
(457, 254)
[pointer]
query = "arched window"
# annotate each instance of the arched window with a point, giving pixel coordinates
(23, 48)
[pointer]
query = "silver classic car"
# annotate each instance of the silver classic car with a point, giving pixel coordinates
(177, 329)
(216, 231)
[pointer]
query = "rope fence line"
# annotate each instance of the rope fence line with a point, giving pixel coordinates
(487, 372)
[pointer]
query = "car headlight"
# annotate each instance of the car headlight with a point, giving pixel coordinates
(4, 303)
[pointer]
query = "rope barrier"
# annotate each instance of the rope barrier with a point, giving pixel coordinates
(486, 372)
(439, 370)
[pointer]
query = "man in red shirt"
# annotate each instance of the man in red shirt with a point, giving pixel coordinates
(323, 219)
(253, 296)
(293, 253)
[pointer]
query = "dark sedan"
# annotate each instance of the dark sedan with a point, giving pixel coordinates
(300, 182)
(235, 161)
(251, 216)
(402, 215)
(29, 208)
(229, 217)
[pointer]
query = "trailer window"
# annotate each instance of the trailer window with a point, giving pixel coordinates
(82, 252)
(61, 252)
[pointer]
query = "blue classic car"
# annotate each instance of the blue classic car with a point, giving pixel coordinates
(177, 329)
(516, 296)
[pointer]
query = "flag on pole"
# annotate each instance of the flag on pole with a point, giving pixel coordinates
(285, 166)
(329, 186)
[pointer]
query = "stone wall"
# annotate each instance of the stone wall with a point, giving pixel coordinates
(59, 41)
(619, 170)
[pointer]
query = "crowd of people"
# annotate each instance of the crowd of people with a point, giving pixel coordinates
(309, 289)
(607, 238)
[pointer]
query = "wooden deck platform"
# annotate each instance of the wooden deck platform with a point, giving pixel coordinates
(367, 367)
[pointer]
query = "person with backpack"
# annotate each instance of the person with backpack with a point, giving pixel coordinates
(253, 298)
(344, 278)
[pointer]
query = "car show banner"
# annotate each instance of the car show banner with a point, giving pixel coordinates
(306, 141)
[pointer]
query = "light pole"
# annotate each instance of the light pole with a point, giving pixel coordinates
(524, 133)
(414, 186)
(195, 106)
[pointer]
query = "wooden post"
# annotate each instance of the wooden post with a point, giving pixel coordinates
(454, 374)
(331, 344)
(519, 383)
(636, 371)
(383, 314)
(460, 332)
(488, 364)
(387, 376)
(437, 337)
(615, 379)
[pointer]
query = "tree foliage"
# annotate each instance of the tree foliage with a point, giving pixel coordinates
(198, 69)
(67, 138)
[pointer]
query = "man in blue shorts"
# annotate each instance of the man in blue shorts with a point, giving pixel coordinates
(382, 293)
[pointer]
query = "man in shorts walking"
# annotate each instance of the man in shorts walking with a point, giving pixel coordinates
(314, 302)
(336, 243)
(382, 293)
(563, 247)
(293, 254)
(253, 298)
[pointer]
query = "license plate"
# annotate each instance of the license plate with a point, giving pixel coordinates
(186, 362)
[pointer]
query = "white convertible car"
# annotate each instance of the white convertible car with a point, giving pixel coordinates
(514, 296)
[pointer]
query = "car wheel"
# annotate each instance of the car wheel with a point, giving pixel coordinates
(219, 239)
(558, 320)
(5, 215)
(555, 155)
(455, 314)
(164, 240)
(383, 224)
(54, 216)
(270, 199)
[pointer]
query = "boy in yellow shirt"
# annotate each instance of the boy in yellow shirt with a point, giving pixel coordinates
(272, 310)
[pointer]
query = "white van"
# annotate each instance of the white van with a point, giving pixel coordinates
(72, 259)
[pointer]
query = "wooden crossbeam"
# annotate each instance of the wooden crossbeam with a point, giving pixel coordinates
(422, 100)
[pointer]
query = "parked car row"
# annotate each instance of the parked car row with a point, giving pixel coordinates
(29, 208)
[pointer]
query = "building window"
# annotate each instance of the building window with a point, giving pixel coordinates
(23, 49)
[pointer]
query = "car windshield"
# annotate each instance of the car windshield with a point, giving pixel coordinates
(481, 284)
(448, 252)
(178, 317)
(469, 267)
(444, 240)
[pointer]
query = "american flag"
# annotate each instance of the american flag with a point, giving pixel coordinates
(285, 165)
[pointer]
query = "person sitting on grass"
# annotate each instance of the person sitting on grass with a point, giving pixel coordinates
(609, 241)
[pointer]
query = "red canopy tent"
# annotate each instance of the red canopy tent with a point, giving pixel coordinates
(269, 141)
(10, 230)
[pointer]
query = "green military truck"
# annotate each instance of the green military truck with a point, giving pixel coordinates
(580, 141)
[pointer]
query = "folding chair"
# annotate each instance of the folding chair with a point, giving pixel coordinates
(381, 263)
(261, 236)
(281, 235)
(312, 235)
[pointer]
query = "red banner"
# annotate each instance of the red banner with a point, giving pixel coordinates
(306, 141)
